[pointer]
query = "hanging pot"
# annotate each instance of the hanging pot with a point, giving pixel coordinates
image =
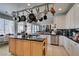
(32, 16)
(41, 19)
(36, 20)
(45, 17)
(30, 21)
(15, 18)
(23, 18)
(52, 10)
(18, 18)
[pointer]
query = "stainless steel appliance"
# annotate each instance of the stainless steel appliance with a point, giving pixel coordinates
(54, 40)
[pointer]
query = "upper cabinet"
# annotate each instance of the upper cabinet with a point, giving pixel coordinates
(67, 21)
(59, 21)
(76, 15)
(72, 17)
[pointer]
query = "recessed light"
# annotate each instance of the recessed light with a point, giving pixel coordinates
(28, 4)
(60, 9)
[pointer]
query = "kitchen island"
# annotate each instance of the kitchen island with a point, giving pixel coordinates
(28, 46)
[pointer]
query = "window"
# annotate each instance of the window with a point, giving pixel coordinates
(20, 27)
(29, 28)
(35, 28)
(6, 27)
(9, 27)
(1, 26)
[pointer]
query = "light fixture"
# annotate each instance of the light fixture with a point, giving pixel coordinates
(60, 9)
(28, 4)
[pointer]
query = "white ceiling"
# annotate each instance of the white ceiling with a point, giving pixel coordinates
(9, 7)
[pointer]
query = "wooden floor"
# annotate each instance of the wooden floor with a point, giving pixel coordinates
(51, 51)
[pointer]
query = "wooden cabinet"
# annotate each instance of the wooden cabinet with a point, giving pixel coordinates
(27, 47)
(36, 48)
(12, 46)
(19, 47)
(39, 48)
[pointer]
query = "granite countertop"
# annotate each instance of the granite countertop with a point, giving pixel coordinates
(39, 38)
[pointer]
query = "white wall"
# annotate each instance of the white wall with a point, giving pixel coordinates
(59, 21)
(9, 7)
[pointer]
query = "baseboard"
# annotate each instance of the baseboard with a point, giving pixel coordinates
(55, 44)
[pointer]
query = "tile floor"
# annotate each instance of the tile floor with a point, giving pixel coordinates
(51, 51)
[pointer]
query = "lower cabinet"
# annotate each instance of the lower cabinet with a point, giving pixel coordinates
(74, 48)
(70, 46)
(67, 45)
(61, 41)
(12, 46)
(26, 48)
(36, 48)
(19, 47)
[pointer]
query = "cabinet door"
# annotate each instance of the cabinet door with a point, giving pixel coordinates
(61, 40)
(72, 19)
(26, 48)
(19, 47)
(36, 48)
(75, 49)
(76, 15)
(68, 20)
(67, 45)
(12, 46)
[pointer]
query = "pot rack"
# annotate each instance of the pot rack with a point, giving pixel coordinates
(29, 9)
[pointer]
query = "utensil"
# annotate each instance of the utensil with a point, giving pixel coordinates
(23, 18)
(45, 17)
(32, 17)
(41, 19)
(18, 18)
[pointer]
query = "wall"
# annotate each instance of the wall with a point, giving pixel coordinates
(7, 8)
(59, 21)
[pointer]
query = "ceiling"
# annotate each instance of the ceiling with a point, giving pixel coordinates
(9, 7)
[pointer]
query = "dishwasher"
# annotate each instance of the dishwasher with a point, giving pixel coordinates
(55, 40)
